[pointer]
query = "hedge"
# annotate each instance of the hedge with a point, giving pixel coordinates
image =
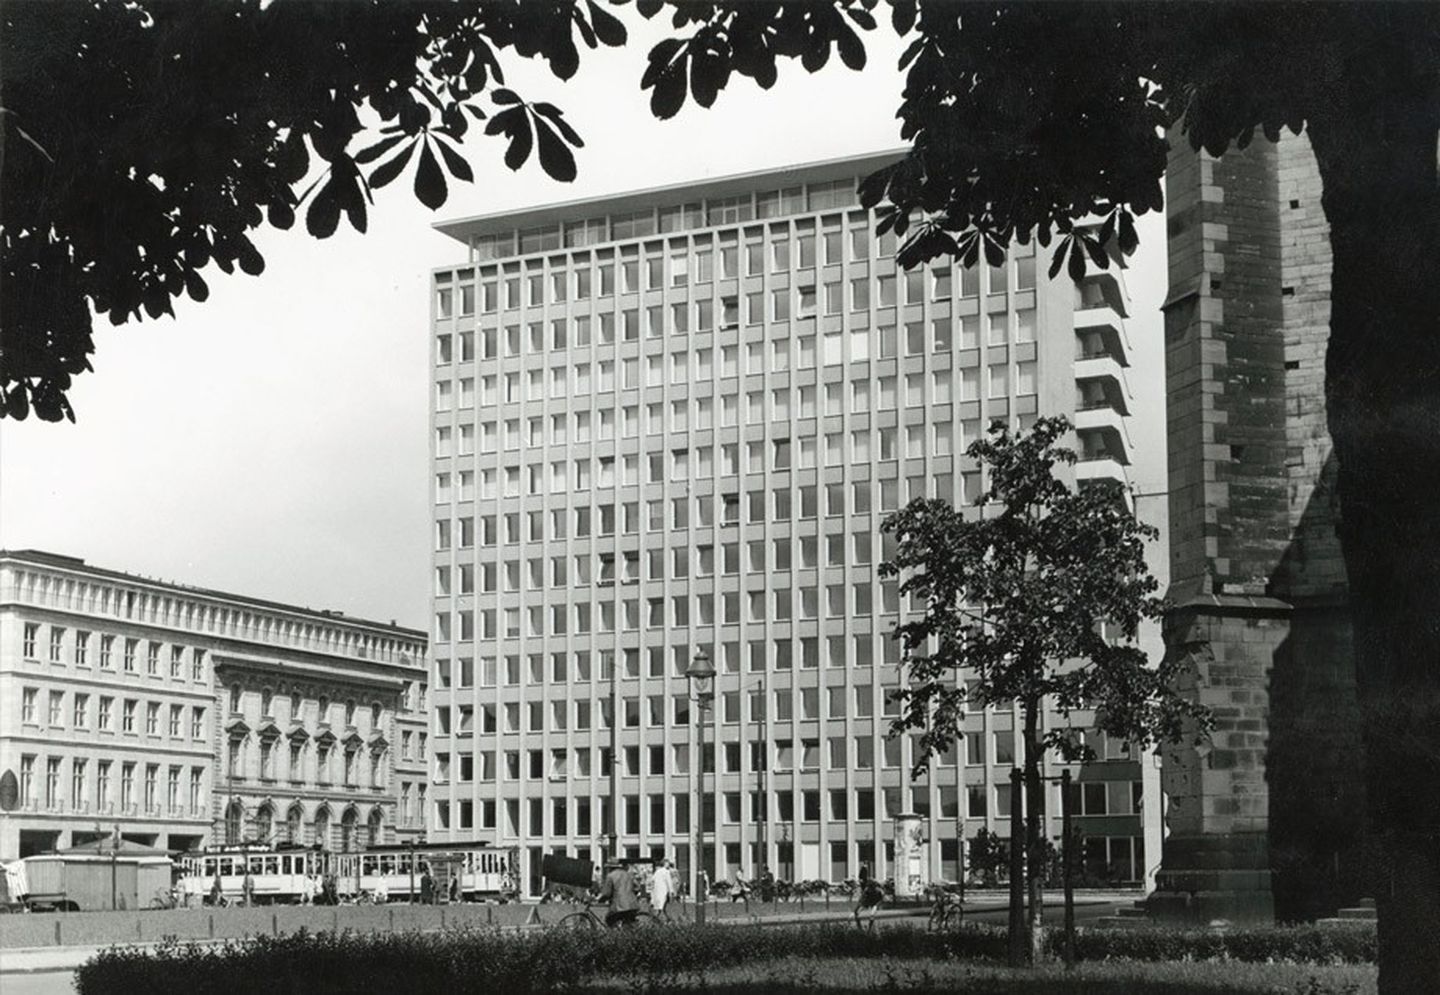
(313, 963)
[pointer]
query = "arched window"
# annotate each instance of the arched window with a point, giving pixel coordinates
(293, 820)
(375, 827)
(235, 822)
(324, 709)
(265, 823)
(234, 697)
(375, 711)
(322, 827)
(295, 706)
(267, 698)
(350, 712)
(349, 826)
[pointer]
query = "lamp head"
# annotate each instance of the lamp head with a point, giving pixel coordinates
(701, 672)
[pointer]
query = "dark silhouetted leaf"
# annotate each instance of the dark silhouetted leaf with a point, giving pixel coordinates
(323, 215)
(608, 27)
(387, 171)
(459, 168)
(429, 179)
(505, 96)
(281, 215)
(1057, 258)
(1077, 260)
(555, 157)
(852, 49)
(1129, 241)
(557, 118)
(196, 287)
(373, 152)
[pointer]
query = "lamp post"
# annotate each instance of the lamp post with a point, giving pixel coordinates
(612, 833)
(701, 675)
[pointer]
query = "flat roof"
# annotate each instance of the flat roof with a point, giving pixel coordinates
(819, 171)
(41, 557)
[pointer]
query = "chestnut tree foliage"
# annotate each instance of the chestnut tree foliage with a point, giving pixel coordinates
(144, 141)
(1035, 594)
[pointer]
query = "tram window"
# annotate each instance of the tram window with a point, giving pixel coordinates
(209, 867)
(272, 865)
(227, 866)
(367, 866)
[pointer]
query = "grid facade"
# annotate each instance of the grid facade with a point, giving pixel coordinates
(675, 420)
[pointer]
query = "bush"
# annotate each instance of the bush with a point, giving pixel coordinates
(512, 962)
(1259, 945)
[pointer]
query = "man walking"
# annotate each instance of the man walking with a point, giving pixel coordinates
(619, 891)
(662, 887)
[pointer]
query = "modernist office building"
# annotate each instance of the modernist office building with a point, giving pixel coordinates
(180, 717)
(674, 420)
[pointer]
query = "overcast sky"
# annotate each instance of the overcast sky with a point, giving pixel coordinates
(273, 441)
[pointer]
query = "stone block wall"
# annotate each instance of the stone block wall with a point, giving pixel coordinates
(1259, 612)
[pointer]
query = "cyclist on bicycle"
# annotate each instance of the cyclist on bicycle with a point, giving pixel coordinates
(619, 892)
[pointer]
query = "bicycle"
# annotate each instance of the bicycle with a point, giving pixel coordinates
(585, 920)
(946, 910)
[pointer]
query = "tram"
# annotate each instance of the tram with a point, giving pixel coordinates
(282, 874)
(467, 872)
(291, 873)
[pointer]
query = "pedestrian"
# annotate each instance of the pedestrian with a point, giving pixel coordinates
(381, 894)
(427, 886)
(871, 895)
(217, 893)
(247, 888)
(454, 888)
(661, 888)
(307, 889)
(618, 892)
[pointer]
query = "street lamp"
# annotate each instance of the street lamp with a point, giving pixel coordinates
(701, 675)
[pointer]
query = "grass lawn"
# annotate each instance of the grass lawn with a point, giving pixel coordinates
(835, 976)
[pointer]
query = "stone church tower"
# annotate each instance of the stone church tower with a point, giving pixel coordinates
(1265, 819)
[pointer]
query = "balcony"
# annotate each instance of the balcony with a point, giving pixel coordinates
(1101, 467)
(1102, 433)
(1102, 377)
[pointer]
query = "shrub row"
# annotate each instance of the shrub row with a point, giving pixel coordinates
(510, 962)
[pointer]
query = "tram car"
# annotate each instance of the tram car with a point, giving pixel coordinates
(283, 874)
(291, 874)
(466, 872)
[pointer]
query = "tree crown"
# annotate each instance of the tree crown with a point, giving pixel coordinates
(1039, 592)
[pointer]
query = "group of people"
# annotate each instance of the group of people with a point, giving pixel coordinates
(622, 899)
(315, 889)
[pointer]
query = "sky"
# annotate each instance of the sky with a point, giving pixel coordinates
(273, 441)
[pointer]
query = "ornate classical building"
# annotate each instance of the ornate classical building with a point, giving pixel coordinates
(183, 716)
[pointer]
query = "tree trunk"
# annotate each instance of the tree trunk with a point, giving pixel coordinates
(1034, 832)
(1377, 159)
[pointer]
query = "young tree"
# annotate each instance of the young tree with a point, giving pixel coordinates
(1040, 597)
